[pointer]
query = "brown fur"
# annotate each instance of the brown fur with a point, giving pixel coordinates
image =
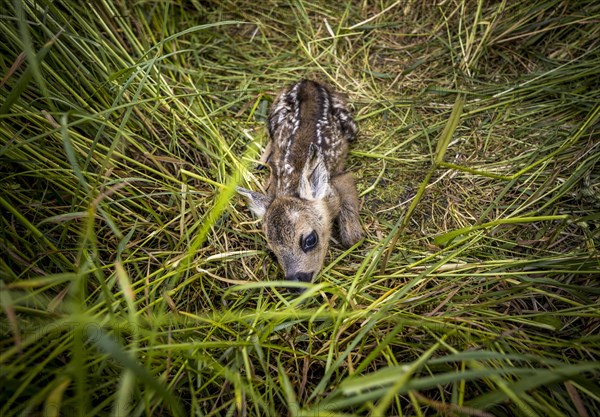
(310, 128)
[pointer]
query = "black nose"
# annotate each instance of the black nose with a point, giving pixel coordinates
(300, 277)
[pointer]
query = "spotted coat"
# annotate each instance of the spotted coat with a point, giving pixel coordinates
(309, 128)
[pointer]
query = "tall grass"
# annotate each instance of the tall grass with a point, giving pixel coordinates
(134, 282)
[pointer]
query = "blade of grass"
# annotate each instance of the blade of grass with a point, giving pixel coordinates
(440, 152)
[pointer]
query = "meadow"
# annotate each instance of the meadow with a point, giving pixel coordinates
(134, 281)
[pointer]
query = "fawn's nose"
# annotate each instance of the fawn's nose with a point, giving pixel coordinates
(300, 277)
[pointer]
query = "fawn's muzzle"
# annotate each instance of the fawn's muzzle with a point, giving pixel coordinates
(301, 277)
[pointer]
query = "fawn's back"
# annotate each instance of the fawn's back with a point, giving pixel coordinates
(304, 114)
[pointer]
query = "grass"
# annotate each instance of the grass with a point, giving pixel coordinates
(134, 282)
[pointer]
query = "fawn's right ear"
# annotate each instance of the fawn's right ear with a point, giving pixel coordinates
(314, 181)
(257, 202)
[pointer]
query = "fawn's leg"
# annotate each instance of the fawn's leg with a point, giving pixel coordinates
(351, 230)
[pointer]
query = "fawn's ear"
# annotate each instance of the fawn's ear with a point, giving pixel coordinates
(315, 182)
(257, 202)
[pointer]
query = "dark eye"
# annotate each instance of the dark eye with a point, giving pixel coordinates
(309, 242)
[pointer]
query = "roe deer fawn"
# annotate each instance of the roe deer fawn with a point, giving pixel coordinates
(309, 128)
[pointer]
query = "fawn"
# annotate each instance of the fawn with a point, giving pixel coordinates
(309, 128)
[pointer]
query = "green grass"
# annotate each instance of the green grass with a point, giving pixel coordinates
(134, 282)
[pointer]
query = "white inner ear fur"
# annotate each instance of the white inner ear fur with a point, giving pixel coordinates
(314, 182)
(257, 202)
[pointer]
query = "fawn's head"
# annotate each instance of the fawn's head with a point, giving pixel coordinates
(298, 228)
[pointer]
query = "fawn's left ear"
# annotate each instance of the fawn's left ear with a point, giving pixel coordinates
(315, 181)
(257, 202)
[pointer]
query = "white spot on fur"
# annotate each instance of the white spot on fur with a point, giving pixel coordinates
(294, 216)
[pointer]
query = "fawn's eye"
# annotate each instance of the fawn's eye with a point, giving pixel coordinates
(309, 241)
